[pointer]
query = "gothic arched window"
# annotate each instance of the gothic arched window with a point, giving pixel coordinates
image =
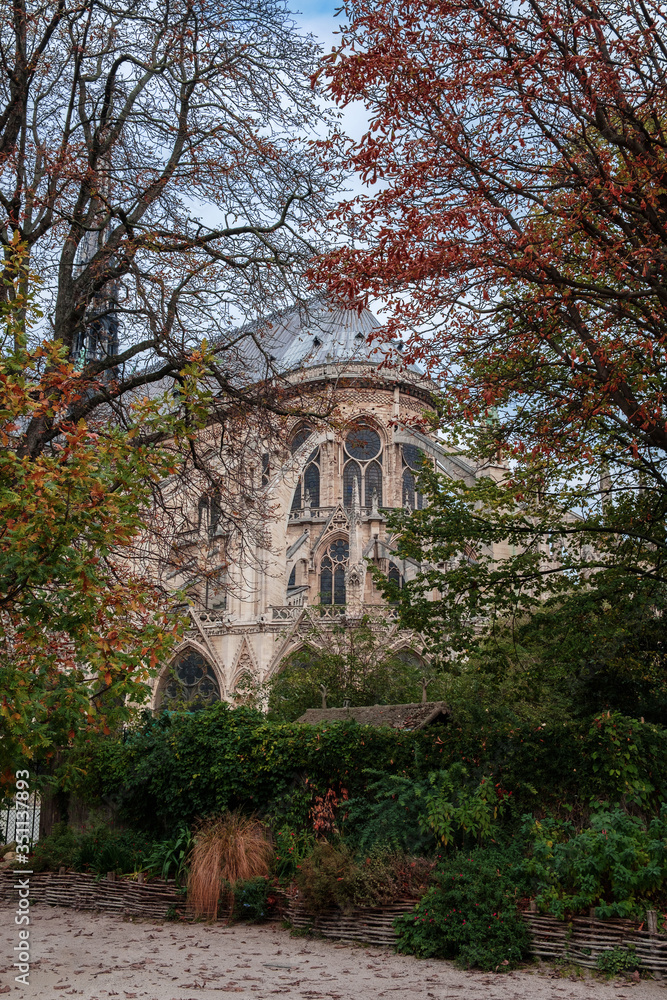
(209, 513)
(307, 491)
(363, 464)
(191, 683)
(332, 572)
(373, 484)
(351, 474)
(413, 458)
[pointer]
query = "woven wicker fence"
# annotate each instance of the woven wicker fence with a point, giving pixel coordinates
(579, 941)
(152, 899)
(582, 939)
(373, 924)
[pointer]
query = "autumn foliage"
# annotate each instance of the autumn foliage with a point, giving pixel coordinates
(80, 628)
(515, 214)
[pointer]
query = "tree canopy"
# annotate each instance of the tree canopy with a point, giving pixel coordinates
(82, 627)
(515, 213)
(155, 161)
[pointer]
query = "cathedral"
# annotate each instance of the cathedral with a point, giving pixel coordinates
(329, 491)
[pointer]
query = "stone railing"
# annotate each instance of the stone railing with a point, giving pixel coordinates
(213, 619)
(286, 613)
(322, 513)
(334, 612)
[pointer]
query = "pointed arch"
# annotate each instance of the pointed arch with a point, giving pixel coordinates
(351, 473)
(245, 671)
(189, 682)
(364, 446)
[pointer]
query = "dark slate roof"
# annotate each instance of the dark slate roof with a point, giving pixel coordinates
(317, 333)
(407, 717)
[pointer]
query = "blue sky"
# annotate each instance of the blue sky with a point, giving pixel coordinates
(316, 8)
(317, 17)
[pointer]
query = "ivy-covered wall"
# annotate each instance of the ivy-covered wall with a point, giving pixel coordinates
(177, 767)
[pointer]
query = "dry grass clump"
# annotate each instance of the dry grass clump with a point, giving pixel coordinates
(228, 849)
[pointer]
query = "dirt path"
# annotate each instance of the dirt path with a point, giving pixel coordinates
(97, 956)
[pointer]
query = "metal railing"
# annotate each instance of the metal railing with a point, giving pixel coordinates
(8, 820)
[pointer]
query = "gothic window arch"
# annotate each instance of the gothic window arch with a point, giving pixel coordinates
(307, 491)
(333, 565)
(395, 576)
(363, 455)
(190, 683)
(209, 513)
(412, 461)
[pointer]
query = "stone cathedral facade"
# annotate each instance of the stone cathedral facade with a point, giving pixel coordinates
(329, 491)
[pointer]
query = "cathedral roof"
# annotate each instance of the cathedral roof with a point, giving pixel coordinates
(322, 333)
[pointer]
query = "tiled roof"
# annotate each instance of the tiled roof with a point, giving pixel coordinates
(406, 717)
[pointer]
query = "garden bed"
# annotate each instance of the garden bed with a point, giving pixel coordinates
(155, 899)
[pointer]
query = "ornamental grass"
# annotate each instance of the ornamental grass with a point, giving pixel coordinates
(228, 849)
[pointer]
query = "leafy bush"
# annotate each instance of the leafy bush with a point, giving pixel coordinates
(55, 851)
(453, 805)
(332, 876)
(170, 857)
(615, 960)
(389, 813)
(100, 850)
(292, 846)
(471, 915)
(252, 900)
(179, 766)
(618, 864)
(372, 880)
(103, 850)
(320, 875)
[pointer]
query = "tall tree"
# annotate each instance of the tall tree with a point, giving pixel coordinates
(516, 218)
(155, 161)
(81, 627)
(526, 601)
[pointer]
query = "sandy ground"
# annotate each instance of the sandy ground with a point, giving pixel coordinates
(97, 956)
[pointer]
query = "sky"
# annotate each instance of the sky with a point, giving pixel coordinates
(317, 17)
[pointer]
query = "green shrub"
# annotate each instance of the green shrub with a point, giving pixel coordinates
(252, 900)
(372, 880)
(292, 846)
(170, 857)
(174, 768)
(615, 960)
(331, 875)
(100, 849)
(458, 805)
(388, 813)
(618, 864)
(55, 851)
(320, 874)
(103, 850)
(471, 915)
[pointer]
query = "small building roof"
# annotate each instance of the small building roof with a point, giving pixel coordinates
(407, 717)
